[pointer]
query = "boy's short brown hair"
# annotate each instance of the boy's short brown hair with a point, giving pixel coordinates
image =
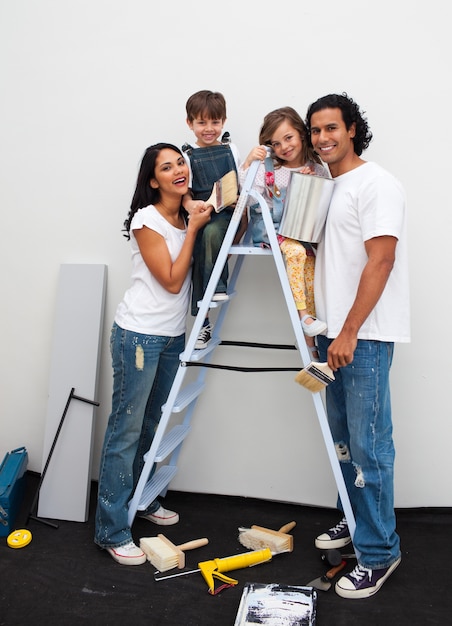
(207, 105)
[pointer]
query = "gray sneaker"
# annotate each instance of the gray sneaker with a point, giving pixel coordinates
(363, 582)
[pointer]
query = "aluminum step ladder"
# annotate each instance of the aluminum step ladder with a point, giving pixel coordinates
(161, 459)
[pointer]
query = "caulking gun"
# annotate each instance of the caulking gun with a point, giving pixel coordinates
(215, 568)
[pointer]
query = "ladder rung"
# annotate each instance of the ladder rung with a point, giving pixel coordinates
(171, 440)
(198, 355)
(186, 395)
(242, 249)
(156, 485)
(217, 303)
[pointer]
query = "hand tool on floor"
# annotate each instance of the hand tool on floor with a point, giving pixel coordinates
(258, 537)
(225, 192)
(334, 556)
(323, 583)
(164, 555)
(19, 538)
(215, 568)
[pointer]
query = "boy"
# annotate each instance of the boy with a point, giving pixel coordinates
(211, 157)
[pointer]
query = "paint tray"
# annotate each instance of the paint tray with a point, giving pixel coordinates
(272, 604)
(12, 487)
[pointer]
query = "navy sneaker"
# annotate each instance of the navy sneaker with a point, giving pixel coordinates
(363, 582)
(205, 335)
(334, 538)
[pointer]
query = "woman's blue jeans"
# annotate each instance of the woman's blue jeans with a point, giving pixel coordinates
(358, 405)
(144, 367)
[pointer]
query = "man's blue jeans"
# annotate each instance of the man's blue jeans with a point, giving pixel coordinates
(358, 405)
(144, 367)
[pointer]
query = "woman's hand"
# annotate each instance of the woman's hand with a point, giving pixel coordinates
(198, 215)
(192, 206)
(154, 250)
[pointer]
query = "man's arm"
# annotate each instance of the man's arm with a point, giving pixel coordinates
(381, 256)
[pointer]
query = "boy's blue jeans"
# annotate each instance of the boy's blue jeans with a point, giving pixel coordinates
(144, 367)
(358, 405)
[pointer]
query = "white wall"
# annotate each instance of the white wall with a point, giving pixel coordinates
(88, 84)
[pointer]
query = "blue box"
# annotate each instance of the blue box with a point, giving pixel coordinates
(12, 487)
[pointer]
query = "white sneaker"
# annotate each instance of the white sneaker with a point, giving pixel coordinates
(220, 297)
(162, 517)
(316, 327)
(129, 554)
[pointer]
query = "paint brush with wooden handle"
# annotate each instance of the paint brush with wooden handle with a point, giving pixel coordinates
(225, 192)
(164, 555)
(258, 537)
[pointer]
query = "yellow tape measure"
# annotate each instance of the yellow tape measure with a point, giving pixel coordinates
(19, 538)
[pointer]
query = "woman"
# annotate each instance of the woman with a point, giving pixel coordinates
(147, 338)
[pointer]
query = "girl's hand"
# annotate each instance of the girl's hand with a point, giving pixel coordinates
(259, 153)
(306, 170)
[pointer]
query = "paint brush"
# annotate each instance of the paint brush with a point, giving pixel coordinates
(225, 192)
(164, 555)
(315, 376)
(257, 538)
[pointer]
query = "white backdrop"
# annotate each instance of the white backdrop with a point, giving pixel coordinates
(88, 85)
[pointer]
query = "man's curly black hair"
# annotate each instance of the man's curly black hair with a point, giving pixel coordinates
(351, 114)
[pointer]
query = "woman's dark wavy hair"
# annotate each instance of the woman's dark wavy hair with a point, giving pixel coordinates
(350, 114)
(145, 194)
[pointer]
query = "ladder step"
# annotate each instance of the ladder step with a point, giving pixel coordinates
(216, 303)
(156, 485)
(186, 395)
(243, 249)
(171, 440)
(198, 355)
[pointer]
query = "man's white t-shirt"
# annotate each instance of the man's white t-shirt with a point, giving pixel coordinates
(367, 202)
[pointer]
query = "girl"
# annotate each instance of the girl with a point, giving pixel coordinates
(146, 340)
(285, 132)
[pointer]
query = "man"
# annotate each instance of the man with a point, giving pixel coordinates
(361, 290)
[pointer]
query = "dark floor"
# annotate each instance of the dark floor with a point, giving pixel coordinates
(61, 577)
